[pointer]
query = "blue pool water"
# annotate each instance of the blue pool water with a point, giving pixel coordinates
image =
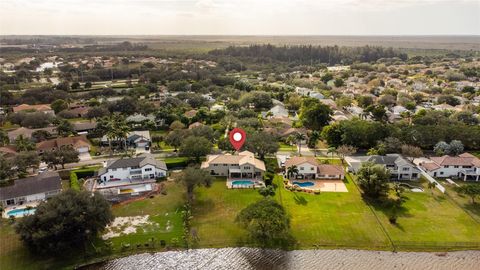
(242, 182)
(20, 212)
(304, 184)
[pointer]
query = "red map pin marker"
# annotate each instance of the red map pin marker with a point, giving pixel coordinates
(237, 138)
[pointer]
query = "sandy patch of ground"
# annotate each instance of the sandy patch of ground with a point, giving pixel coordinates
(126, 225)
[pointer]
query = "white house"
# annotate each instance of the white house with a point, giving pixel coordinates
(464, 166)
(31, 189)
(399, 167)
(310, 168)
(138, 168)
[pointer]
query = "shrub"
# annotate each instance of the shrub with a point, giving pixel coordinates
(74, 184)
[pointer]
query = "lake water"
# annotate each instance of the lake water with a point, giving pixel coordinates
(249, 258)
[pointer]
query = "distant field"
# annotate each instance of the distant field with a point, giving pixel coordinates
(413, 43)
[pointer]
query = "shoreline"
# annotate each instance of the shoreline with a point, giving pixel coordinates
(254, 258)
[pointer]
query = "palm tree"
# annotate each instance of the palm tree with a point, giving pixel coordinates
(292, 171)
(312, 141)
(331, 150)
(290, 140)
(299, 137)
(431, 186)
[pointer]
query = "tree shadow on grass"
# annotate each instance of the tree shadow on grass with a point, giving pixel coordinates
(385, 206)
(299, 199)
(474, 208)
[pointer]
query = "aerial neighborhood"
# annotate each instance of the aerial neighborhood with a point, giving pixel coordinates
(360, 147)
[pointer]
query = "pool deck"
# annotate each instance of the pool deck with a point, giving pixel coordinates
(16, 207)
(323, 185)
(258, 183)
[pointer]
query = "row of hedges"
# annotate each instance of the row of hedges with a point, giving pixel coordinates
(174, 163)
(74, 184)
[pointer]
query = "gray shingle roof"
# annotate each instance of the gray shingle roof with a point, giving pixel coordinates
(135, 162)
(44, 182)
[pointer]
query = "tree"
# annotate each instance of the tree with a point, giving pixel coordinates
(455, 148)
(397, 202)
(27, 159)
(61, 156)
(431, 186)
(176, 125)
(378, 112)
(65, 128)
(88, 85)
(364, 101)
(326, 78)
(65, 222)
(441, 148)
(470, 190)
(175, 138)
(373, 180)
(261, 143)
(41, 135)
(59, 105)
(267, 224)
(195, 147)
(4, 140)
(267, 191)
(192, 177)
(313, 139)
(345, 150)
(6, 171)
(338, 82)
(24, 144)
(97, 112)
(292, 171)
(411, 151)
(299, 138)
(314, 115)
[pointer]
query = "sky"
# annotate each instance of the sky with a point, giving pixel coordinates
(240, 17)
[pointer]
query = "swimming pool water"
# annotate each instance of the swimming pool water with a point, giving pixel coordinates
(20, 212)
(242, 182)
(304, 184)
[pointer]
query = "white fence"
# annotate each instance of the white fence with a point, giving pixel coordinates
(432, 180)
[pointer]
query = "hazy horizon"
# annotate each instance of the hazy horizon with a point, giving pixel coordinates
(241, 17)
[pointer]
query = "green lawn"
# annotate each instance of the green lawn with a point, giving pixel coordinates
(332, 219)
(287, 148)
(463, 201)
(214, 212)
(431, 221)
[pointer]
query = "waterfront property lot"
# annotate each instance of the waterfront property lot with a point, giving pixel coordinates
(328, 219)
(332, 219)
(164, 222)
(431, 221)
(214, 211)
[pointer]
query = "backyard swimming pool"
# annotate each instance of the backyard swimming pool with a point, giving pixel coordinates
(242, 183)
(21, 212)
(304, 184)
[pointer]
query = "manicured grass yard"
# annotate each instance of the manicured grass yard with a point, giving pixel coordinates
(464, 201)
(431, 221)
(214, 213)
(332, 219)
(328, 219)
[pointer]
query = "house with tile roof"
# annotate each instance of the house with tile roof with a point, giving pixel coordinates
(27, 132)
(310, 169)
(79, 143)
(45, 108)
(399, 167)
(464, 166)
(243, 165)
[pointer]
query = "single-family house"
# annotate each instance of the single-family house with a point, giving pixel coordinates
(45, 108)
(142, 167)
(243, 165)
(399, 167)
(84, 127)
(79, 143)
(309, 168)
(31, 189)
(464, 166)
(27, 132)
